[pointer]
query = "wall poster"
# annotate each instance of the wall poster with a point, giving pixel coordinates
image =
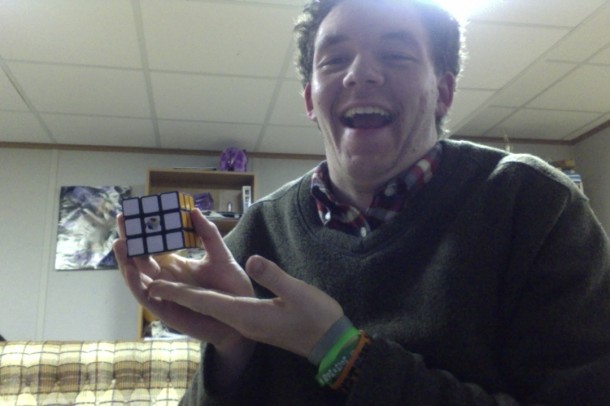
(87, 226)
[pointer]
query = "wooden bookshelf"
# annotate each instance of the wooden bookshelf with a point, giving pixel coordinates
(224, 187)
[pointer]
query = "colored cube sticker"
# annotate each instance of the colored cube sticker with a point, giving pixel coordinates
(159, 223)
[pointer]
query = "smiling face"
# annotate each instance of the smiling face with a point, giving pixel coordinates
(374, 93)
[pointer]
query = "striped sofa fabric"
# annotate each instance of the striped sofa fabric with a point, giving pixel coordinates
(96, 373)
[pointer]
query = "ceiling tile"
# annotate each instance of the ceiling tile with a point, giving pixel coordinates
(207, 136)
(466, 103)
(211, 98)
(586, 40)
(290, 106)
(566, 13)
(88, 130)
(217, 37)
(285, 2)
(531, 83)
(602, 120)
(481, 123)
(543, 124)
(585, 89)
(291, 71)
(496, 53)
(602, 57)
(21, 127)
(93, 32)
(217, 65)
(80, 90)
(9, 97)
(292, 140)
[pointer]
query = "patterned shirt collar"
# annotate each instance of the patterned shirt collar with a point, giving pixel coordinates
(386, 203)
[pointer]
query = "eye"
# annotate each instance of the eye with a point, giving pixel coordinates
(333, 60)
(397, 57)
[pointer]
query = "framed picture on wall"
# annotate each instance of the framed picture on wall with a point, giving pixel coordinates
(87, 226)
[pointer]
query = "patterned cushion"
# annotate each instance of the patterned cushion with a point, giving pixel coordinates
(96, 373)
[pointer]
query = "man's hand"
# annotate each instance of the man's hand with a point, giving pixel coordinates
(294, 320)
(217, 270)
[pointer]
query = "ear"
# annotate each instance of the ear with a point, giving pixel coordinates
(446, 90)
(309, 103)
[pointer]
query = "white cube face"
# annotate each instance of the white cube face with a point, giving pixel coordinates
(174, 241)
(169, 201)
(155, 244)
(135, 247)
(133, 227)
(158, 223)
(150, 204)
(172, 221)
(131, 207)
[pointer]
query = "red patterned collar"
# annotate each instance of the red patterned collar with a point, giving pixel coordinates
(386, 204)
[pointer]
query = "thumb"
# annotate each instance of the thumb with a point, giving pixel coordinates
(267, 274)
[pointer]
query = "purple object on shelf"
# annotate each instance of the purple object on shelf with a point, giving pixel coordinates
(234, 160)
(204, 201)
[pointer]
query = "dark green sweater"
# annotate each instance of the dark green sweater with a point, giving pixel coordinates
(491, 287)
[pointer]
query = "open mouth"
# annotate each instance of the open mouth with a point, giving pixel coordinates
(366, 118)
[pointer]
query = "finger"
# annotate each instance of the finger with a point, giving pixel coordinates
(248, 316)
(210, 236)
(134, 266)
(271, 276)
(119, 247)
(181, 317)
(313, 304)
(204, 301)
(120, 220)
(129, 270)
(174, 267)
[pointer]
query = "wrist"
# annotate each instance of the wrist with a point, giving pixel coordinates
(339, 355)
(329, 339)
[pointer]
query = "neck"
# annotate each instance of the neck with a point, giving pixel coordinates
(354, 191)
(358, 188)
(359, 198)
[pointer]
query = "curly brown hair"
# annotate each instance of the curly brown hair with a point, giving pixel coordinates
(443, 30)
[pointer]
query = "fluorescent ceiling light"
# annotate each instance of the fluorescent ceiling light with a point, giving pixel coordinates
(464, 9)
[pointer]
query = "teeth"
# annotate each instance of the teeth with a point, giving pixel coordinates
(351, 113)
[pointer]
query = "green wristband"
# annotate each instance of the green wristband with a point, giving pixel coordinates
(328, 374)
(334, 333)
(340, 348)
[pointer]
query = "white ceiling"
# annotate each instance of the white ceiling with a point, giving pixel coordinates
(209, 74)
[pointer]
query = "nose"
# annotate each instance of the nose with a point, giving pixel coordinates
(363, 71)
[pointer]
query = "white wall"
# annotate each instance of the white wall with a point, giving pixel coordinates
(547, 152)
(37, 302)
(593, 162)
(26, 184)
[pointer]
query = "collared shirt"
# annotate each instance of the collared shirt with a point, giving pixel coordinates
(386, 204)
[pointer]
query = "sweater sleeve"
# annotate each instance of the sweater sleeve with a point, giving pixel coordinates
(554, 346)
(203, 391)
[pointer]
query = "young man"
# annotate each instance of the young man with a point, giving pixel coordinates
(473, 276)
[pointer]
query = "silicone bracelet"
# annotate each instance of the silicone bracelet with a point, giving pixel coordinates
(328, 340)
(332, 353)
(350, 363)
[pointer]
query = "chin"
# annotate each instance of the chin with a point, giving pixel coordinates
(366, 166)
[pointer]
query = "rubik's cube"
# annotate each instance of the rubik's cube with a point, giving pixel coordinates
(159, 223)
